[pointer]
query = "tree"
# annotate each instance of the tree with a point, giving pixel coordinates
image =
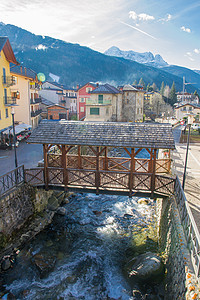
(162, 88)
(135, 82)
(141, 82)
(172, 94)
(154, 87)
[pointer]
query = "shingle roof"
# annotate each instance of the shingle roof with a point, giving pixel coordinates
(21, 70)
(114, 134)
(46, 102)
(105, 89)
(7, 49)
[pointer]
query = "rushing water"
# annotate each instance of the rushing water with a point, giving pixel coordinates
(85, 250)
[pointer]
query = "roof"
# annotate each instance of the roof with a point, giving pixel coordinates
(129, 87)
(23, 71)
(57, 105)
(46, 102)
(88, 83)
(59, 85)
(113, 134)
(7, 49)
(188, 103)
(105, 89)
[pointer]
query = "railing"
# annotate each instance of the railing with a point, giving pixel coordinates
(9, 100)
(11, 180)
(96, 101)
(36, 113)
(36, 100)
(191, 231)
(8, 80)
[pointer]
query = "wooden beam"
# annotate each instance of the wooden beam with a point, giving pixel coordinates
(79, 158)
(153, 176)
(106, 159)
(64, 165)
(97, 177)
(132, 169)
(127, 151)
(46, 173)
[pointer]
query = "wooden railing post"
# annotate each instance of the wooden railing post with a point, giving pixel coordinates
(132, 169)
(46, 173)
(64, 165)
(79, 158)
(97, 181)
(106, 159)
(153, 176)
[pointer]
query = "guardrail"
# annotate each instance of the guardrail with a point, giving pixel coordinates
(11, 179)
(190, 229)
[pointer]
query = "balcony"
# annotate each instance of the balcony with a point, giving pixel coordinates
(97, 102)
(9, 101)
(36, 100)
(36, 113)
(8, 80)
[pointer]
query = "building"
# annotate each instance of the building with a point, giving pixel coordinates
(56, 112)
(83, 95)
(55, 93)
(44, 105)
(132, 104)
(182, 110)
(187, 98)
(28, 101)
(6, 81)
(104, 104)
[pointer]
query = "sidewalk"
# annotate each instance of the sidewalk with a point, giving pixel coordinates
(192, 181)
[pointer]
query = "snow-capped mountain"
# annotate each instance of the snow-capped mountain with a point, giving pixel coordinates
(146, 58)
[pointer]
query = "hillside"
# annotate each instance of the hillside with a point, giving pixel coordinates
(75, 64)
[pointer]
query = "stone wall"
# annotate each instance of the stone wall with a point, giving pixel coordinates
(181, 282)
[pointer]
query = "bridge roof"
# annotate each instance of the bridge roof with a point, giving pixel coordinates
(113, 134)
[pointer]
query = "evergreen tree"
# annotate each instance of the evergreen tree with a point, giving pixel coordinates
(154, 87)
(135, 82)
(141, 82)
(172, 94)
(162, 88)
(148, 87)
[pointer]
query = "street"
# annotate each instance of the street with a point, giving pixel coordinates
(27, 155)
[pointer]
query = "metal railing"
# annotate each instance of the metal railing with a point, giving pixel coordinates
(36, 100)
(9, 80)
(11, 180)
(97, 102)
(36, 113)
(9, 100)
(190, 228)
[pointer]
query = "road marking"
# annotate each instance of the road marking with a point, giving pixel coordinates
(3, 156)
(194, 158)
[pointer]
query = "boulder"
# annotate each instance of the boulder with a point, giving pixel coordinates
(6, 263)
(44, 263)
(61, 211)
(146, 266)
(52, 203)
(143, 201)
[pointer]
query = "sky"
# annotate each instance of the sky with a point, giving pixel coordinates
(170, 28)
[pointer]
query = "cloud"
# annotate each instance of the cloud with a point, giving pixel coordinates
(140, 17)
(166, 19)
(183, 28)
(139, 30)
(197, 51)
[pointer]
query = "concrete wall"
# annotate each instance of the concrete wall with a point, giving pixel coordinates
(181, 282)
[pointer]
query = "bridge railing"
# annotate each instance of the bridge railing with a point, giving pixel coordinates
(191, 231)
(11, 179)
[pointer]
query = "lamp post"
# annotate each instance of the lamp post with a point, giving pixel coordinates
(14, 136)
(190, 122)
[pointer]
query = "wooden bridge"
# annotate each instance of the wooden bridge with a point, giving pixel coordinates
(79, 156)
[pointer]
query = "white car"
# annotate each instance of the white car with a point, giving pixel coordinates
(195, 126)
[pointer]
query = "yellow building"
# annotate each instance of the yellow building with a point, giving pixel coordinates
(26, 90)
(6, 80)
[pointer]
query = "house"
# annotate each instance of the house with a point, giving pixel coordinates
(83, 95)
(44, 105)
(182, 110)
(56, 112)
(132, 103)
(55, 93)
(104, 104)
(7, 80)
(26, 89)
(187, 98)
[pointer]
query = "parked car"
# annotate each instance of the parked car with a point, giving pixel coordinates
(195, 126)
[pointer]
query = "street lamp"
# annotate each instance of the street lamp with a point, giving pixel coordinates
(14, 136)
(190, 122)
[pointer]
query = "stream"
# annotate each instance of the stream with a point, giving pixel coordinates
(82, 255)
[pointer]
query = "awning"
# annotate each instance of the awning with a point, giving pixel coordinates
(18, 128)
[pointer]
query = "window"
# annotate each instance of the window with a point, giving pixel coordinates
(82, 109)
(4, 75)
(100, 99)
(107, 111)
(88, 89)
(94, 110)
(6, 113)
(82, 100)
(5, 95)
(190, 107)
(51, 117)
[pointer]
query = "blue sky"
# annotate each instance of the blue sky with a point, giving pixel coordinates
(169, 28)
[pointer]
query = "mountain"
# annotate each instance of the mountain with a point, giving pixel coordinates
(144, 58)
(75, 64)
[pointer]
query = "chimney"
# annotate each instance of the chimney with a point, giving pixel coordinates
(77, 87)
(97, 84)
